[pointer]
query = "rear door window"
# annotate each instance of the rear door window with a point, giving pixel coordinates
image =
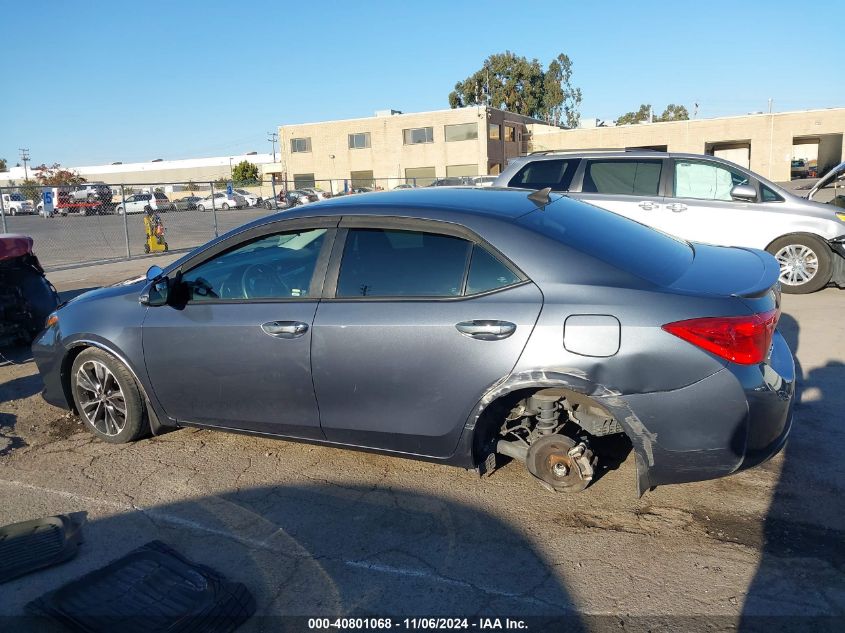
(540, 174)
(398, 263)
(622, 177)
(487, 272)
(701, 180)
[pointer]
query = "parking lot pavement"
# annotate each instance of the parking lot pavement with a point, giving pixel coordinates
(60, 242)
(320, 531)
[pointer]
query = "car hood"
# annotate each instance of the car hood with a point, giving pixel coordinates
(728, 271)
(130, 286)
(836, 172)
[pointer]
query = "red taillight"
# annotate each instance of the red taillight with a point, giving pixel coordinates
(740, 339)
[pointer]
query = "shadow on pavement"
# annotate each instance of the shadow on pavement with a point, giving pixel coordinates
(326, 550)
(804, 529)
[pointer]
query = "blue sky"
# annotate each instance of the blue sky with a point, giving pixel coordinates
(97, 82)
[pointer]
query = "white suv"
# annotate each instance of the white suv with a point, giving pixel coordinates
(140, 202)
(701, 199)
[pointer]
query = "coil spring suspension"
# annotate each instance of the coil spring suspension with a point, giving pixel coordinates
(547, 414)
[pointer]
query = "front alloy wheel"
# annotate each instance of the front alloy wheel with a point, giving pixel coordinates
(107, 398)
(101, 399)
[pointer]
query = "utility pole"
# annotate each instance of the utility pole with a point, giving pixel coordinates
(770, 105)
(273, 138)
(24, 159)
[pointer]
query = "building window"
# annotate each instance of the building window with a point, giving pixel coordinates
(510, 134)
(362, 179)
(300, 144)
(494, 131)
(303, 180)
(419, 176)
(457, 171)
(359, 140)
(461, 132)
(415, 135)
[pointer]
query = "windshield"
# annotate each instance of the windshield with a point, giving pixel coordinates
(16, 196)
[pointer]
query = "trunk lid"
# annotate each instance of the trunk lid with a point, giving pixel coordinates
(728, 271)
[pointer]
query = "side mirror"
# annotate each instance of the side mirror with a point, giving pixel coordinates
(153, 272)
(746, 193)
(156, 293)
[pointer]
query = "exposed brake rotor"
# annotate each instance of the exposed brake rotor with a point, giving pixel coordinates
(561, 463)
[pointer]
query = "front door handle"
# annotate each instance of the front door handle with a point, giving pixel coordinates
(676, 207)
(648, 205)
(285, 329)
(486, 330)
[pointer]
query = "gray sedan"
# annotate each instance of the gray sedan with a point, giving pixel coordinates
(460, 325)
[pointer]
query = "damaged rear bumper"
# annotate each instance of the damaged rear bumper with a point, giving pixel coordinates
(735, 419)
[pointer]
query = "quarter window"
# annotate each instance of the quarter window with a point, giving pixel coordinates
(540, 174)
(767, 195)
(413, 136)
(622, 177)
(706, 181)
(395, 263)
(359, 140)
(278, 266)
(300, 144)
(486, 272)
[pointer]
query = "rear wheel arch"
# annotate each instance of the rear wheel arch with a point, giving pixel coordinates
(483, 425)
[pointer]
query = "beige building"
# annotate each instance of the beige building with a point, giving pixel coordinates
(765, 143)
(391, 148)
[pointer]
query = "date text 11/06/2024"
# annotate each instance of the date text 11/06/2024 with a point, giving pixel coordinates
(430, 624)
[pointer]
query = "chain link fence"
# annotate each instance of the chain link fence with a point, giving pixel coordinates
(97, 222)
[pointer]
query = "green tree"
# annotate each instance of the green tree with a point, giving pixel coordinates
(509, 82)
(221, 183)
(245, 173)
(635, 117)
(191, 186)
(55, 175)
(31, 190)
(674, 113)
(3, 165)
(671, 113)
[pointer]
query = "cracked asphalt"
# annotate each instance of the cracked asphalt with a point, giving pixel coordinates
(322, 531)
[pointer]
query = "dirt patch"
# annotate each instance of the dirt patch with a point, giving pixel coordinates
(64, 426)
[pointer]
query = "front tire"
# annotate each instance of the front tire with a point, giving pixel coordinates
(201, 207)
(225, 207)
(805, 263)
(107, 397)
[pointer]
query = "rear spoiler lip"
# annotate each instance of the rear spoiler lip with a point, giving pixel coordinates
(769, 278)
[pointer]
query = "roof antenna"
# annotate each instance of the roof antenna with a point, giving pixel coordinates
(541, 198)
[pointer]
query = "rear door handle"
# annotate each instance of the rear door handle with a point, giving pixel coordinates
(676, 207)
(486, 330)
(285, 329)
(648, 205)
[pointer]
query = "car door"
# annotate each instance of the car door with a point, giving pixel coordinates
(699, 206)
(233, 347)
(417, 321)
(628, 186)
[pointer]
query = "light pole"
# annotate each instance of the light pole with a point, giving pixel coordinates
(231, 176)
(331, 181)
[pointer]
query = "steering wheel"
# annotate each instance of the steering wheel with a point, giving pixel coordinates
(260, 281)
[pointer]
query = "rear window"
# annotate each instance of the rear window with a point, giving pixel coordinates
(614, 239)
(540, 174)
(622, 177)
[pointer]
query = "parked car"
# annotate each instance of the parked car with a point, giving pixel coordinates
(701, 199)
(316, 191)
(91, 192)
(26, 297)
(799, 169)
(188, 203)
(449, 182)
(440, 324)
(297, 197)
(483, 181)
(141, 202)
(16, 204)
(405, 185)
(222, 201)
(248, 199)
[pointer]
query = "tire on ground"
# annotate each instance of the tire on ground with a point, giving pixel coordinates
(137, 424)
(823, 254)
